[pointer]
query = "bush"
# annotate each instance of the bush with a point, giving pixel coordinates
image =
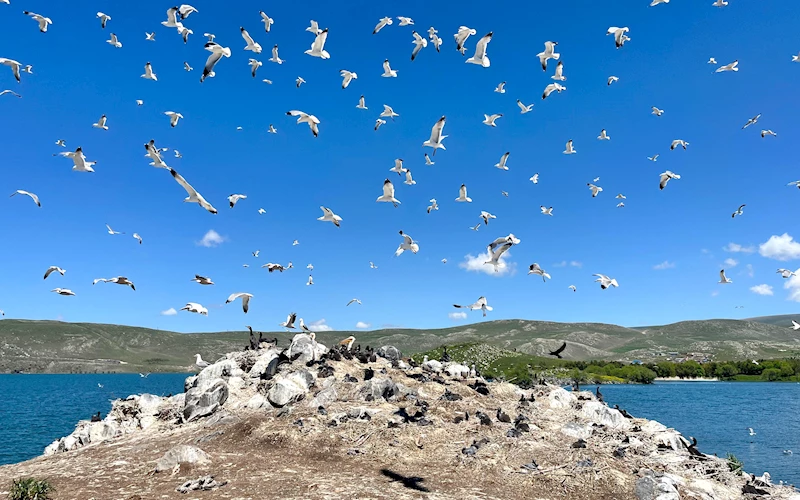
(771, 374)
(734, 464)
(30, 489)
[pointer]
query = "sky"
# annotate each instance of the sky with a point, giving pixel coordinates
(665, 248)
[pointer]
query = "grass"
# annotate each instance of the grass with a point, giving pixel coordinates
(30, 489)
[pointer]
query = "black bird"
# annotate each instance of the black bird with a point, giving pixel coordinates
(557, 352)
(445, 358)
(411, 482)
(484, 418)
(503, 417)
(693, 448)
(368, 374)
(599, 394)
(96, 418)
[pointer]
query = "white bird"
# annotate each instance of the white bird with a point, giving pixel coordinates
(173, 117)
(4, 92)
(765, 133)
(405, 21)
(796, 58)
(398, 167)
(419, 44)
(665, 177)
(275, 58)
(184, 32)
(194, 196)
(255, 254)
(290, 319)
(185, 10)
(678, 142)
(480, 304)
(354, 301)
(722, 278)
(150, 36)
(378, 123)
(101, 123)
(496, 251)
(486, 216)
(605, 281)
(502, 163)
(657, 2)
(79, 163)
(738, 211)
(144, 375)
(299, 81)
(318, 47)
(619, 35)
(559, 72)
(728, 67)
(751, 121)
(428, 160)
(751, 431)
(719, 3)
(462, 194)
(490, 119)
(388, 194)
(119, 280)
(657, 112)
(43, 21)
(111, 231)
(114, 41)
(501, 88)
(294, 244)
(54, 269)
(139, 238)
(361, 103)
(252, 45)
(194, 307)
(139, 102)
(28, 193)
(407, 244)
(604, 136)
(388, 72)
(268, 21)
(480, 56)
(786, 273)
(461, 38)
(303, 327)
(535, 269)
(329, 216)
(61, 143)
(154, 154)
(436, 138)
(433, 205)
(795, 325)
(711, 60)
(310, 280)
(546, 210)
(14, 65)
(523, 108)
(435, 40)
(232, 199)
(347, 77)
(620, 205)
(314, 28)
(148, 72)
(388, 112)
(104, 18)
(217, 52)
(27, 69)
(794, 183)
(553, 87)
(372, 266)
(612, 79)
(569, 149)
(534, 178)
(384, 21)
(245, 300)
(653, 158)
(310, 267)
(549, 53)
(254, 65)
(311, 120)
(198, 360)
(63, 291)
(573, 288)
(409, 180)
(594, 189)
(272, 130)
(172, 18)
(476, 226)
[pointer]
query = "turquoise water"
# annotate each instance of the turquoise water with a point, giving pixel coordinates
(37, 409)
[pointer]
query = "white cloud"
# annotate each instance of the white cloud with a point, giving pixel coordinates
(736, 248)
(664, 265)
(780, 248)
(793, 285)
(750, 271)
(319, 326)
(211, 239)
(762, 289)
(575, 263)
(455, 316)
(473, 263)
(563, 263)
(362, 325)
(169, 312)
(731, 262)
(714, 293)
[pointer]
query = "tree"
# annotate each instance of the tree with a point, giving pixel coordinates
(726, 371)
(689, 369)
(771, 374)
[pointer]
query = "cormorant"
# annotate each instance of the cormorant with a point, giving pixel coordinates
(557, 352)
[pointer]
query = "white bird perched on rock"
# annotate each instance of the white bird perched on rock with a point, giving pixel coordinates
(612, 79)
(63, 291)
(347, 77)
(428, 160)
(245, 300)
(486, 216)
(553, 87)
(419, 44)
(79, 160)
(409, 180)
(54, 269)
(101, 123)
(523, 108)
(388, 112)
(501, 88)
(388, 194)
(549, 53)
(119, 280)
(151, 37)
(535, 269)
(738, 211)
(28, 193)
(217, 52)
(111, 231)
(329, 216)
(148, 73)
(751, 121)
(407, 244)
(290, 319)
(311, 120)
(502, 163)
(678, 142)
(318, 47)
(275, 58)
(384, 21)
(570, 150)
(619, 35)
(388, 72)
(479, 304)
(354, 301)
(765, 133)
(436, 138)
(268, 21)
(605, 281)
(361, 103)
(252, 45)
(723, 279)
(173, 117)
(656, 111)
(104, 18)
(480, 58)
(490, 119)
(728, 67)
(114, 41)
(604, 136)
(254, 65)
(14, 65)
(43, 21)
(433, 205)
(203, 280)
(462, 194)
(665, 177)
(786, 273)
(378, 123)
(461, 38)
(594, 189)
(194, 196)
(314, 28)
(194, 307)
(559, 75)
(232, 199)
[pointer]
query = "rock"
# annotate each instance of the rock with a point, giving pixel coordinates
(204, 483)
(457, 370)
(182, 454)
(205, 398)
(101, 431)
(292, 387)
(576, 430)
(262, 362)
(379, 388)
(603, 415)
(324, 397)
(307, 347)
(389, 352)
(52, 448)
(224, 368)
(256, 402)
(236, 383)
(559, 398)
(652, 488)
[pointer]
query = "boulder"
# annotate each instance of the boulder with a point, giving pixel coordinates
(576, 430)
(262, 362)
(289, 388)
(149, 404)
(389, 352)
(652, 488)
(205, 398)
(602, 414)
(256, 402)
(220, 369)
(559, 398)
(379, 388)
(307, 347)
(101, 431)
(181, 454)
(324, 397)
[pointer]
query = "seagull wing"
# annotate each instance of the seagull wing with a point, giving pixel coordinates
(210, 63)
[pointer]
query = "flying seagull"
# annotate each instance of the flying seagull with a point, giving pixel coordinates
(232, 199)
(268, 21)
(111, 231)
(113, 40)
(217, 52)
(104, 18)
(653, 158)
(573, 288)
(150, 36)
(490, 119)
(314, 28)
(419, 44)
(546, 210)
(245, 300)
(553, 87)
(751, 121)
(462, 194)
(311, 120)
(14, 65)
(657, 112)
(461, 38)
(604, 136)
(433, 206)
(479, 304)
(148, 73)
(723, 279)
(378, 123)
(405, 21)
(43, 21)
(28, 193)
(388, 194)
(534, 178)
(329, 216)
(409, 180)
(388, 112)
(496, 254)
(63, 291)
(605, 281)
(428, 160)
(738, 211)
(4, 92)
(559, 75)
(786, 273)
(407, 244)
(139, 238)
(619, 35)
(275, 58)
(254, 65)
(678, 142)
(523, 108)
(317, 48)
(173, 118)
(252, 45)
(119, 280)
(347, 77)
(486, 216)
(501, 88)
(194, 196)
(384, 21)
(101, 123)
(436, 138)
(557, 352)
(354, 301)
(480, 56)
(535, 269)
(728, 67)
(388, 72)
(79, 163)
(795, 325)
(290, 319)
(361, 104)
(765, 133)
(665, 177)
(54, 269)
(194, 307)
(502, 163)
(549, 53)
(569, 149)
(594, 189)
(299, 81)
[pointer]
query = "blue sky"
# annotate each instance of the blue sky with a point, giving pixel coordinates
(77, 77)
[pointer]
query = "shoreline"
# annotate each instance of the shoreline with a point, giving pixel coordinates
(696, 379)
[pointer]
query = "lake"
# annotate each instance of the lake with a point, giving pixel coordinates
(37, 409)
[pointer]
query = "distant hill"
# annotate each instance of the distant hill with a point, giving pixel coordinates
(780, 320)
(58, 347)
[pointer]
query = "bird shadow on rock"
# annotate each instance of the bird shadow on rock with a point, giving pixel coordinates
(411, 482)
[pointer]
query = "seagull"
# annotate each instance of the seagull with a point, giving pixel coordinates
(194, 307)
(372, 266)
(435, 40)
(272, 130)
(795, 325)
(621, 196)
(419, 44)
(294, 244)
(310, 267)
(738, 211)
(186, 10)
(678, 142)
(409, 180)
(150, 36)
(719, 3)
(559, 72)
(549, 53)
(502, 163)
(104, 18)
(569, 150)
(43, 21)
(352, 301)
(501, 88)
(496, 254)
(619, 35)
(388, 112)
(275, 57)
(217, 52)
(254, 65)
(665, 177)
(63, 291)
(722, 278)
(751, 431)
(314, 28)
(436, 138)
(361, 104)
(136, 235)
(172, 18)
(378, 123)
(268, 21)
(114, 41)
(101, 123)
(407, 244)
(14, 65)
(656, 2)
(173, 117)
(461, 37)
(479, 304)
(385, 21)
(476, 226)
(486, 216)
(78, 160)
(255, 254)
(119, 280)
(612, 79)
(61, 143)
(535, 269)
(490, 119)
(317, 48)
(111, 231)
(711, 60)
(232, 199)
(252, 45)
(765, 133)
(551, 88)
(290, 319)
(444, 261)
(245, 300)
(751, 121)
(388, 194)
(28, 193)
(428, 160)
(572, 287)
(4, 92)
(275, 267)
(786, 273)
(148, 73)
(604, 136)
(261, 211)
(794, 183)
(433, 205)
(462, 194)
(653, 158)
(299, 81)
(311, 120)
(185, 32)
(329, 216)
(194, 196)
(405, 21)
(605, 281)
(388, 72)
(594, 189)
(796, 58)
(728, 67)
(310, 280)
(480, 56)
(398, 166)
(656, 111)
(303, 327)
(347, 77)
(144, 375)
(53, 269)
(154, 153)
(535, 178)
(139, 102)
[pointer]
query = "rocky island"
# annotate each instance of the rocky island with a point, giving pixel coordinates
(308, 422)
